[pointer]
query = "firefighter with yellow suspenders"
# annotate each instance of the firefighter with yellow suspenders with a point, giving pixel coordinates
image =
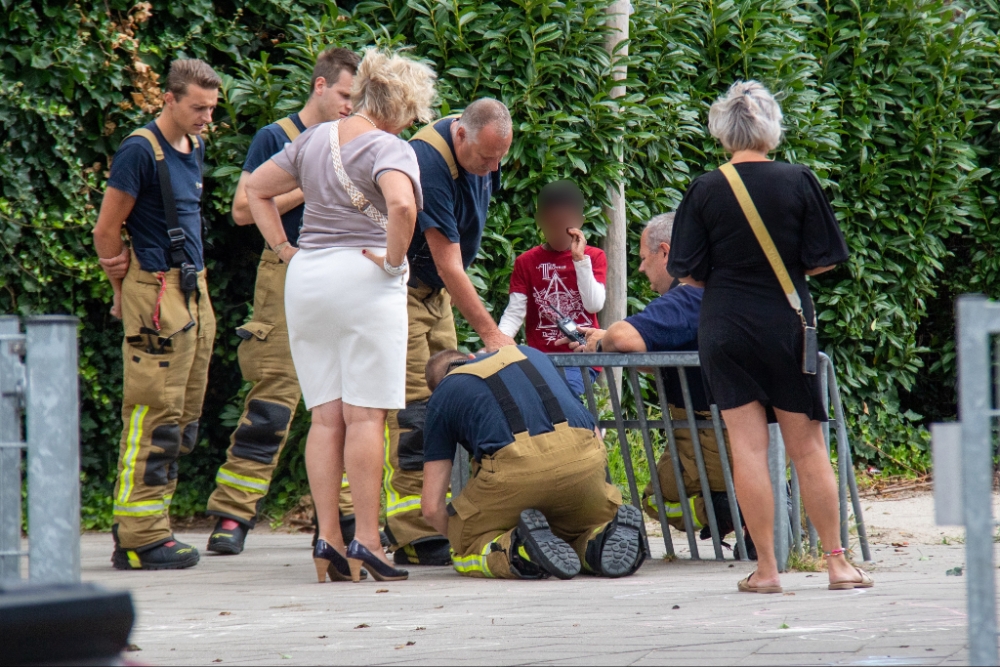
(538, 503)
(154, 193)
(459, 161)
(264, 356)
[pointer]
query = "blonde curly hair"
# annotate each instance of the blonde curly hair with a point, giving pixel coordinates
(394, 89)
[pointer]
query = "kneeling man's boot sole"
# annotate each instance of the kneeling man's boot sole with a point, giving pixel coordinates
(622, 548)
(544, 549)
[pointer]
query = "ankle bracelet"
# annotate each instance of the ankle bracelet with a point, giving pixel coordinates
(835, 552)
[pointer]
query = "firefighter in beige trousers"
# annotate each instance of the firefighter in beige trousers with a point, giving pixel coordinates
(265, 358)
(161, 294)
(459, 159)
(538, 503)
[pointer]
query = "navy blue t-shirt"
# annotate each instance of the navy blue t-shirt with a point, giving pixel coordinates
(133, 171)
(670, 324)
(462, 410)
(457, 208)
(266, 143)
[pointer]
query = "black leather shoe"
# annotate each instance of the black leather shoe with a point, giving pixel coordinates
(432, 551)
(358, 554)
(535, 544)
(329, 562)
(228, 542)
(171, 555)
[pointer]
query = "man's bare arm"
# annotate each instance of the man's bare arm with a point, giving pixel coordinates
(448, 260)
(437, 478)
(241, 207)
(111, 251)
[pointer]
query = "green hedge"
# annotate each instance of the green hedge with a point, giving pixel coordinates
(893, 103)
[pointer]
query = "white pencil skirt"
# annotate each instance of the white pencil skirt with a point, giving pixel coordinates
(347, 327)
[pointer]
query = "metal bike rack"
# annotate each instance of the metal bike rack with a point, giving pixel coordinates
(39, 383)
(963, 465)
(659, 363)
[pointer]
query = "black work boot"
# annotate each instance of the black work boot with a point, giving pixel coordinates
(167, 555)
(619, 549)
(428, 551)
(535, 548)
(228, 537)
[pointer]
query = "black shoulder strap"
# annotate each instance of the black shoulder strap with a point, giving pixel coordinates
(178, 253)
(549, 400)
(507, 403)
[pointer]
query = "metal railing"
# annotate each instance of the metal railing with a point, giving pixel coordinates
(39, 384)
(963, 465)
(788, 526)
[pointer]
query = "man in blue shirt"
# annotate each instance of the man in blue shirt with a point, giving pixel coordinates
(459, 161)
(154, 194)
(670, 323)
(538, 503)
(265, 358)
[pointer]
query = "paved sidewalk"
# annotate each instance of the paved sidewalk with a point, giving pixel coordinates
(265, 607)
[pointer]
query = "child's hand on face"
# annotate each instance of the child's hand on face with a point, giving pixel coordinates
(578, 245)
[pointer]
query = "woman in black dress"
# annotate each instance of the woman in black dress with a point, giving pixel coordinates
(750, 338)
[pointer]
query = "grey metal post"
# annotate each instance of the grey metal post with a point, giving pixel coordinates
(727, 475)
(53, 407)
(11, 384)
(459, 471)
(647, 444)
(675, 464)
(776, 465)
(699, 459)
(974, 316)
(796, 513)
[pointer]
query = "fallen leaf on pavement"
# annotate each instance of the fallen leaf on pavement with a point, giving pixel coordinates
(133, 647)
(321, 637)
(363, 625)
(382, 590)
(225, 613)
(676, 606)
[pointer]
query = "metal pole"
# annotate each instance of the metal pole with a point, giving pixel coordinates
(796, 513)
(699, 459)
(776, 465)
(11, 383)
(654, 474)
(675, 462)
(727, 475)
(53, 409)
(974, 402)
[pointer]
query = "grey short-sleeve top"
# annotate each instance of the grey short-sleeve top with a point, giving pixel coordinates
(330, 219)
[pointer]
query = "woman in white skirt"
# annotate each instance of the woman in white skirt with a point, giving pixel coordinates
(345, 292)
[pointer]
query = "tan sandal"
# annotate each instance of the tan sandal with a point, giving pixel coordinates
(866, 582)
(745, 587)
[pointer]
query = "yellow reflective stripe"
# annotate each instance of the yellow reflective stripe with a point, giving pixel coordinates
(252, 484)
(167, 500)
(343, 481)
(405, 504)
(131, 452)
(674, 511)
(133, 560)
(142, 508)
(475, 562)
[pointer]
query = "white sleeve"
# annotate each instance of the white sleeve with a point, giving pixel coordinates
(513, 317)
(592, 293)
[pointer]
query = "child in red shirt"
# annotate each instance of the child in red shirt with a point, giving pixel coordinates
(563, 273)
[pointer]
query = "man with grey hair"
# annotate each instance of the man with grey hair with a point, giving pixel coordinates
(670, 323)
(459, 159)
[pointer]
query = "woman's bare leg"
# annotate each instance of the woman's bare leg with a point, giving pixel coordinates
(325, 467)
(364, 453)
(804, 443)
(748, 437)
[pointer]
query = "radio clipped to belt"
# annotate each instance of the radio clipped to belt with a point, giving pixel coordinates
(179, 257)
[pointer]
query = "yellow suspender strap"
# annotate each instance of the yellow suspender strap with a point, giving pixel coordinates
(151, 138)
(157, 150)
(431, 136)
(763, 236)
(288, 125)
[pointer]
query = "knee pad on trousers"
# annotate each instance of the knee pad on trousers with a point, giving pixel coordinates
(189, 438)
(411, 442)
(260, 439)
(160, 465)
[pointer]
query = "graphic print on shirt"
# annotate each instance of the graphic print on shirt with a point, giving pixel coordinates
(556, 294)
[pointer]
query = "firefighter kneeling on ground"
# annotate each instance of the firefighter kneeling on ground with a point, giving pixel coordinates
(537, 503)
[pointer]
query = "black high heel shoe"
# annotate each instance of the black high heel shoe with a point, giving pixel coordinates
(358, 554)
(328, 561)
